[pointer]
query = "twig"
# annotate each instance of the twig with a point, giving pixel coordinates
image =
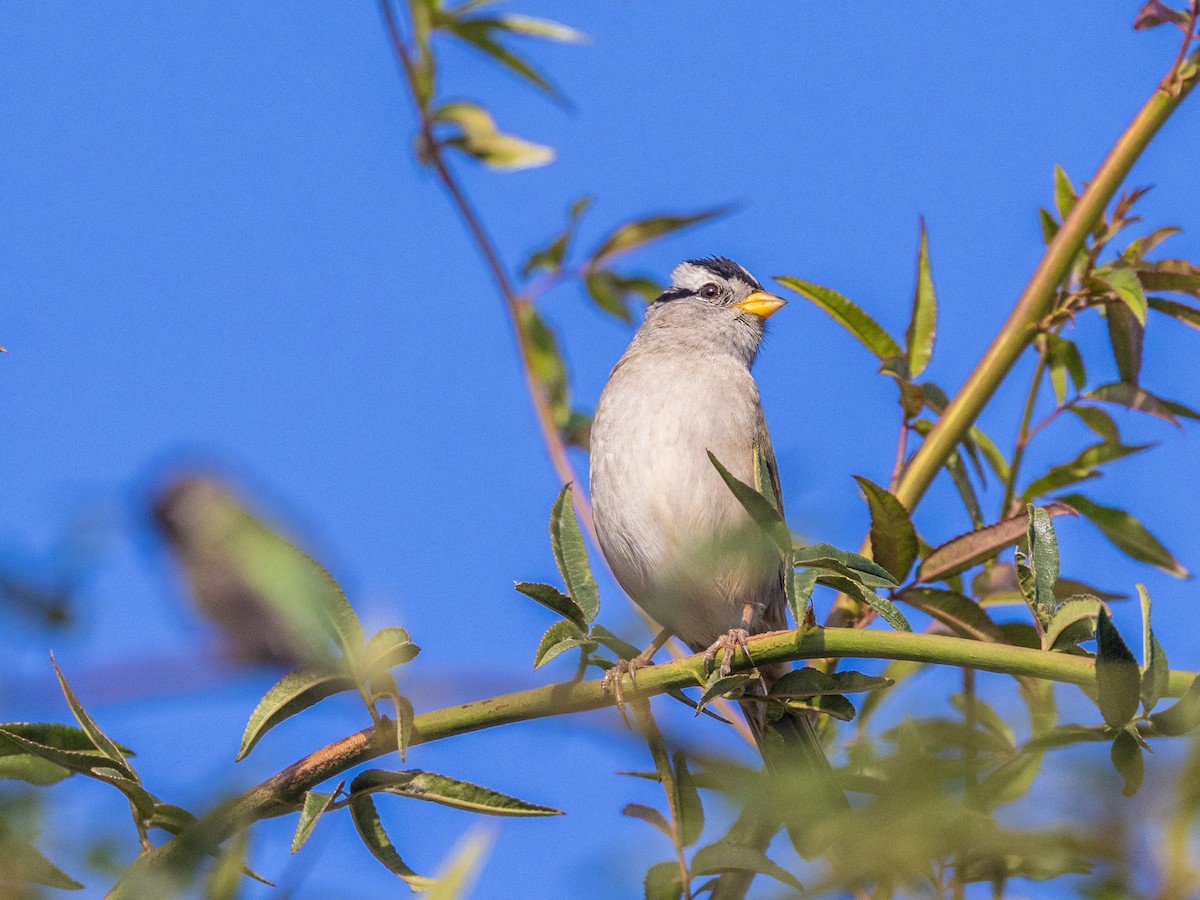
(662, 765)
(1023, 433)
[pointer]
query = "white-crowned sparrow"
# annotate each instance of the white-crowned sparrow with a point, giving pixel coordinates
(678, 541)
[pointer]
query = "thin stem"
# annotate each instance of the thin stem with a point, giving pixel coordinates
(283, 792)
(1023, 434)
(662, 765)
(901, 450)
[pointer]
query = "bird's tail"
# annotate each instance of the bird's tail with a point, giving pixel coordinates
(803, 781)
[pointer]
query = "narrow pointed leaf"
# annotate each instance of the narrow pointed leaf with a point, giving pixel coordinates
(456, 877)
(884, 607)
(1180, 312)
(25, 865)
(1124, 283)
(554, 600)
(1099, 422)
(808, 681)
(446, 791)
(893, 539)
(1174, 275)
(293, 693)
(571, 555)
(846, 313)
(1118, 678)
(99, 739)
(975, 547)
(853, 565)
(1126, 335)
(922, 326)
(691, 810)
(315, 804)
(1156, 672)
(370, 829)
(1049, 225)
(724, 856)
(1064, 359)
(634, 234)
(650, 815)
(1127, 760)
(1064, 192)
(1130, 396)
(1127, 533)
(1037, 566)
(760, 509)
(1081, 468)
(1181, 717)
(955, 611)
(86, 762)
(542, 28)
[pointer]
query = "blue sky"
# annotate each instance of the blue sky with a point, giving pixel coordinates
(220, 251)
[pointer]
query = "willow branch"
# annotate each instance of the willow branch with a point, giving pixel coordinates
(282, 793)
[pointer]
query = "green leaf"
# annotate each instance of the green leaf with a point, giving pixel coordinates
(1073, 622)
(293, 693)
(885, 608)
(642, 231)
(1118, 678)
(962, 483)
(1180, 312)
(99, 739)
(474, 132)
(1127, 760)
(800, 595)
(480, 33)
(848, 315)
(541, 28)
(834, 705)
(554, 600)
(663, 882)
(16, 763)
(922, 327)
(760, 508)
(226, 875)
(717, 685)
(1130, 396)
(724, 856)
(955, 611)
(571, 555)
(446, 791)
(1037, 567)
(1082, 468)
(370, 829)
(456, 877)
(1123, 282)
(25, 865)
(1099, 422)
(604, 637)
(805, 682)
(893, 539)
(550, 258)
(1064, 359)
(1181, 717)
(1175, 275)
(1049, 225)
(852, 565)
(1156, 672)
(691, 811)
(1127, 533)
(545, 361)
(650, 815)
(968, 550)
(389, 647)
(605, 290)
(1126, 335)
(315, 804)
(558, 639)
(82, 761)
(1064, 192)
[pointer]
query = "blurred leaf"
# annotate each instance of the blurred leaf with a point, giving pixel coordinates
(728, 857)
(1118, 678)
(474, 132)
(315, 804)
(663, 882)
(605, 290)
(1069, 735)
(967, 550)
(1099, 422)
(922, 326)
(885, 608)
(1181, 717)
(955, 611)
(1156, 13)
(456, 877)
(22, 864)
(1064, 192)
(370, 829)
(691, 810)
(718, 685)
(1124, 284)
(1049, 225)
(1127, 533)
(1127, 759)
(559, 638)
(623, 649)
(542, 28)
(1180, 312)
(1133, 397)
(1126, 335)
(1083, 467)
(846, 313)
(895, 671)
(962, 483)
(995, 459)
(986, 717)
(852, 565)
(550, 258)
(1037, 567)
(389, 647)
(759, 508)
(545, 361)
(1073, 622)
(1156, 673)
(293, 693)
(641, 231)
(445, 791)
(650, 815)
(571, 555)
(893, 540)
(481, 34)
(1174, 275)
(554, 600)
(226, 875)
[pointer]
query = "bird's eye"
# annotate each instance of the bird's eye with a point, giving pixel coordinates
(710, 291)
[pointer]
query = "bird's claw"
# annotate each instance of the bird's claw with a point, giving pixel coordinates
(611, 682)
(727, 644)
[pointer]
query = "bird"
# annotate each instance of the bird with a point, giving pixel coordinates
(676, 538)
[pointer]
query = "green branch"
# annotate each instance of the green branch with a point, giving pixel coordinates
(282, 793)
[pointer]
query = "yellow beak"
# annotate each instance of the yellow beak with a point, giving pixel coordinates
(762, 304)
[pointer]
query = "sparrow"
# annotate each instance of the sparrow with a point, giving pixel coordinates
(676, 538)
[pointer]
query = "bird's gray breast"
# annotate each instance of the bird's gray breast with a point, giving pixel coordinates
(676, 538)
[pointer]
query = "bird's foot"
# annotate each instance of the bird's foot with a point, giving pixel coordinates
(726, 645)
(613, 678)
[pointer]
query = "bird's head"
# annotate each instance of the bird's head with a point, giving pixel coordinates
(715, 300)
